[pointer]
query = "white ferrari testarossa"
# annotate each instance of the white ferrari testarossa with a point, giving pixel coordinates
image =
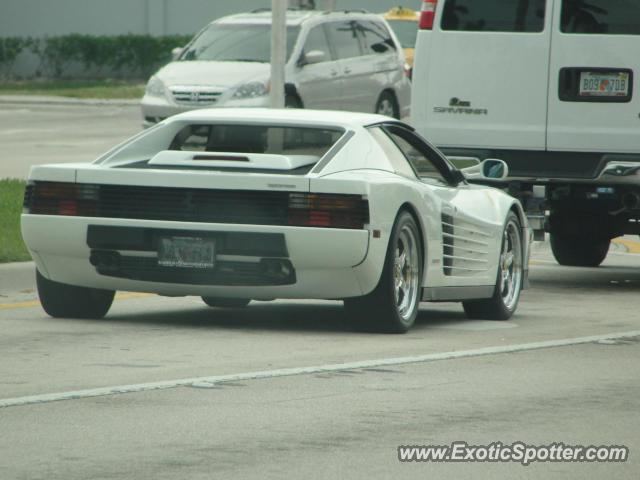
(240, 204)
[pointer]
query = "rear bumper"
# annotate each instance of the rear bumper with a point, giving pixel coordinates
(326, 263)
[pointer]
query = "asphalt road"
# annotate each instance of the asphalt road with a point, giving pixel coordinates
(170, 388)
(36, 134)
(285, 389)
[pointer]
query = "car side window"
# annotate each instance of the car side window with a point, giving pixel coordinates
(394, 154)
(317, 41)
(345, 38)
(612, 17)
(494, 15)
(427, 161)
(377, 39)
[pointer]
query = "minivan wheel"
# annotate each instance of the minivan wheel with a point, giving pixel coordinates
(388, 105)
(393, 305)
(224, 302)
(292, 101)
(579, 251)
(60, 300)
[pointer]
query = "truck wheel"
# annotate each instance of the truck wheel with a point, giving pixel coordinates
(579, 251)
(68, 301)
(393, 306)
(506, 295)
(224, 302)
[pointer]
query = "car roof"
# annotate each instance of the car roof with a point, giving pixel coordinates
(401, 13)
(293, 18)
(298, 117)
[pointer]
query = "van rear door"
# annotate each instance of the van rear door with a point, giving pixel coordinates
(594, 90)
(483, 82)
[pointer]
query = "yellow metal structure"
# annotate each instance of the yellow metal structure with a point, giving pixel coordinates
(404, 22)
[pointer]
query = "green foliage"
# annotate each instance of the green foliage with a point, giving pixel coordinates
(10, 48)
(12, 248)
(129, 55)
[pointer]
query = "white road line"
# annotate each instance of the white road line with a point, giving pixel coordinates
(288, 372)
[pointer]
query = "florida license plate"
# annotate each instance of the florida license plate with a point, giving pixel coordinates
(599, 84)
(187, 252)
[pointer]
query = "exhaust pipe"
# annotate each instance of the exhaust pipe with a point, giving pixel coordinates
(631, 201)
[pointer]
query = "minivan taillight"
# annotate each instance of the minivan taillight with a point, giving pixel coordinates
(427, 14)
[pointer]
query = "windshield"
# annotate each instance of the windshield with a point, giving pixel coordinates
(236, 43)
(406, 31)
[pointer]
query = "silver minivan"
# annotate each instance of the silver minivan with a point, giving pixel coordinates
(335, 60)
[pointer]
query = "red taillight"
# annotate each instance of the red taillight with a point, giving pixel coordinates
(68, 207)
(319, 219)
(328, 210)
(60, 198)
(427, 14)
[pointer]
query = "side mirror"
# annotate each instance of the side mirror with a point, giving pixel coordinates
(176, 52)
(495, 169)
(314, 56)
(489, 169)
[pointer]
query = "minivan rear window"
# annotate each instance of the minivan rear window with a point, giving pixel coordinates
(613, 17)
(494, 15)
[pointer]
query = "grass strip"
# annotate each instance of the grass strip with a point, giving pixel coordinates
(12, 248)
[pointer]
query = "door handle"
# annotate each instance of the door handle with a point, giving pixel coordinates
(347, 71)
(334, 73)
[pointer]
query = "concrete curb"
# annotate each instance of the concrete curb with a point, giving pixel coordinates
(17, 277)
(65, 101)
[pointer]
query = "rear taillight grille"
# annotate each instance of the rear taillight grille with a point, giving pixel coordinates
(255, 207)
(427, 14)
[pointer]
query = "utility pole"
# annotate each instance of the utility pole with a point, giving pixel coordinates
(278, 51)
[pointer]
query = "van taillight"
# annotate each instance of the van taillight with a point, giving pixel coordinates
(427, 14)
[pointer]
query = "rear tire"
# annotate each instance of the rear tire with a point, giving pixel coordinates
(223, 302)
(60, 300)
(579, 252)
(393, 305)
(292, 101)
(387, 104)
(506, 295)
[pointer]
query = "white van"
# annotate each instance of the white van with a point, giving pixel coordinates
(550, 87)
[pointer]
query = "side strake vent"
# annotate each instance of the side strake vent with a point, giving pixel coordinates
(465, 248)
(256, 207)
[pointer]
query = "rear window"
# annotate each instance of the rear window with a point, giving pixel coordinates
(494, 15)
(614, 17)
(200, 137)
(255, 139)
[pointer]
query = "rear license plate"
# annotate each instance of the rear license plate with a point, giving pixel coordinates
(187, 252)
(600, 84)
